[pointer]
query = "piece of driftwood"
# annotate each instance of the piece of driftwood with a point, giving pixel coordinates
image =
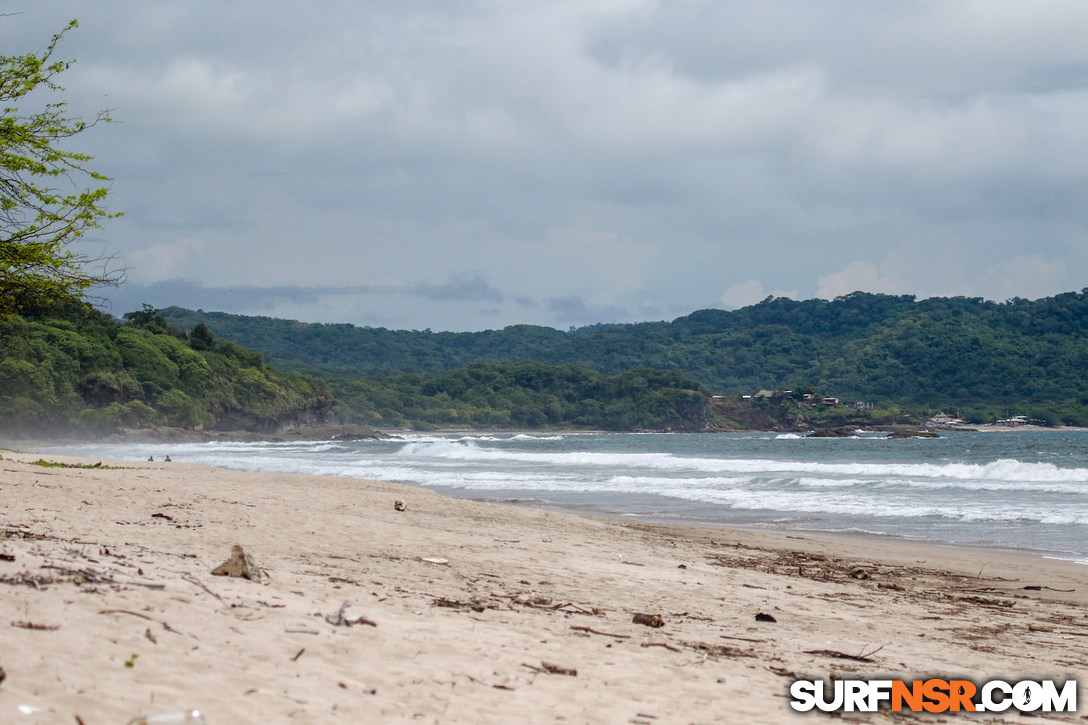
(987, 602)
(553, 669)
(649, 620)
(667, 646)
(720, 650)
(590, 630)
(835, 654)
(194, 582)
(475, 606)
(1030, 588)
(165, 626)
(572, 608)
(339, 620)
(35, 625)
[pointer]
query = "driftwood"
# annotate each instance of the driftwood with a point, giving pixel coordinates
(1036, 588)
(165, 626)
(191, 580)
(835, 654)
(667, 646)
(339, 620)
(590, 630)
(553, 669)
(650, 620)
(475, 606)
(36, 626)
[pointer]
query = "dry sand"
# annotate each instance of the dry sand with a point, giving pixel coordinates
(474, 613)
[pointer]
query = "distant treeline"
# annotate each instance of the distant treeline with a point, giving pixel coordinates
(73, 369)
(980, 359)
(76, 370)
(527, 395)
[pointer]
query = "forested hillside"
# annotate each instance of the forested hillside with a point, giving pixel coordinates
(982, 358)
(74, 369)
(527, 395)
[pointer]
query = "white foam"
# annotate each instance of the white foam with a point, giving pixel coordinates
(917, 494)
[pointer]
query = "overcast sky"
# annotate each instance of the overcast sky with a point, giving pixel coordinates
(471, 165)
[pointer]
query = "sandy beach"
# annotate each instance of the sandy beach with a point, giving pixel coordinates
(453, 611)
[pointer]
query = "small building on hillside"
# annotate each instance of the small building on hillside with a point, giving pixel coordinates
(944, 420)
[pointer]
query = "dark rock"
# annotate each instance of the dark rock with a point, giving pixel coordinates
(845, 431)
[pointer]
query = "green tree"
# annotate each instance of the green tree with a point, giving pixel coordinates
(44, 207)
(201, 338)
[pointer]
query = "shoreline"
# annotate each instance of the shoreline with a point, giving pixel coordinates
(109, 569)
(1079, 559)
(327, 432)
(778, 529)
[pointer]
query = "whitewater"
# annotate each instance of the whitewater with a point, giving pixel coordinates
(1020, 490)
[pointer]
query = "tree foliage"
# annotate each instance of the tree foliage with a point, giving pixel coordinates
(78, 369)
(527, 395)
(984, 359)
(49, 197)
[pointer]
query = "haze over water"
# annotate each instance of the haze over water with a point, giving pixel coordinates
(1011, 490)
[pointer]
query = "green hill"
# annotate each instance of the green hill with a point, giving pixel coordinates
(981, 358)
(78, 370)
(527, 395)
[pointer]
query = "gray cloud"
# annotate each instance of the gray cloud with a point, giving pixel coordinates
(460, 289)
(460, 166)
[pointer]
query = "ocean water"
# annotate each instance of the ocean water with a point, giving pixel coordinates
(1023, 490)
